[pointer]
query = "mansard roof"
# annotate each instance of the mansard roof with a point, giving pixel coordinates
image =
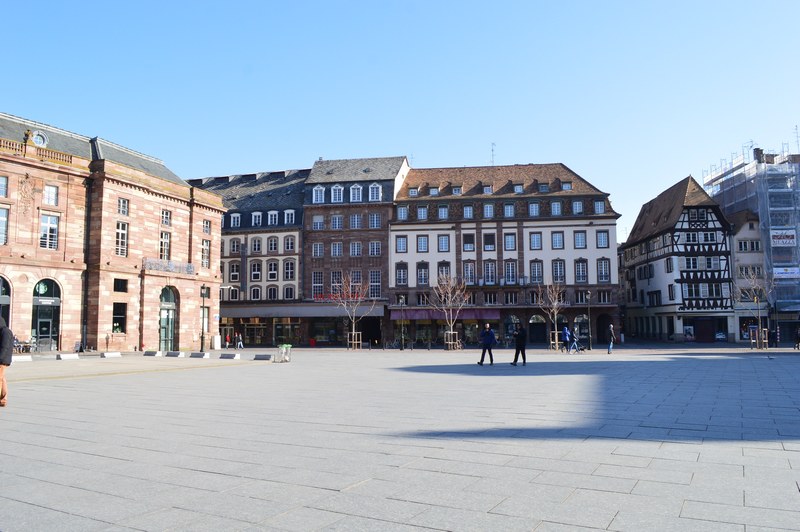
(262, 191)
(90, 149)
(662, 213)
(502, 179)
(347, 170)
(738, 219)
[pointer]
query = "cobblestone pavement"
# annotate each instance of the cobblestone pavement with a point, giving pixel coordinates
(649, 438)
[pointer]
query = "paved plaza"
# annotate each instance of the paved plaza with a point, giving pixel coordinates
(644, 439)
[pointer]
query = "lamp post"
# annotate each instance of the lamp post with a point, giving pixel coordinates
(402, 323)
(589, 308)
(203, 318)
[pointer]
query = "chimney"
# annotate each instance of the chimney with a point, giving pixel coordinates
(758, 155)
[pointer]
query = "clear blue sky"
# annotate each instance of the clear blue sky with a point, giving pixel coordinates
(633, 96)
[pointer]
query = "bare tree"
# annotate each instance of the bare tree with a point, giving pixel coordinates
(351, 292)
(751, 290)
(449, 297)
(550, 298)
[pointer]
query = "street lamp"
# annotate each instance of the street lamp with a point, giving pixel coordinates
(589, 308)
(203, 318)
(402, 323)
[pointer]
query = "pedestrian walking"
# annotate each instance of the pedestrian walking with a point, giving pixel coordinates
(797, 338)
(520, 339)
(6, 353)
(565, 338)
(227, 340)
(488, 339)
(574, 344)
(239, 343)
(611, 337)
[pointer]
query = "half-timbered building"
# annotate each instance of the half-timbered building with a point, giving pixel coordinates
(676, 267)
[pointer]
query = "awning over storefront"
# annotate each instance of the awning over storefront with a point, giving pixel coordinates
(427, 314)
(293, 311)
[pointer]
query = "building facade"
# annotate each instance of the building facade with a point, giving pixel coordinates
(508, 232)
(676, 268)
(769, 185)
(751, 285)
(102, 247)
(261, 248)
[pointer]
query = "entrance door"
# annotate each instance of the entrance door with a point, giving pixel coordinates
(44, 334)
(166, 336)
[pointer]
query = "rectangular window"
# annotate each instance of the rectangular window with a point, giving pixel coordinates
(533, 209)
(272, 271)
(690, 238)
(490, 298)
(557, 240)
(599, 207)
(119, 318)
(337, 221)
(444, 243)
(668, 265)
(602, 239)
(337, 194)
(489, 272)
(510, 241)
(537, 271)
(401, 275)
(488, 210)
(288, 217)
(401, 244)
(488, 241)
(510, 272)
(469, 272)
(581, 271)
(123, 206)
(577, 207)
(255, 271)
(422, 212)
(319, 195)
(487, 189)
(443, 212)
(337, 250)
(375, 249)
(402, 212)
(121, 244)
(3, 186)
(536, 240)
(374, 284)
(120, 285)
(422, 243)
(50, 195)
(164, 246)
(559, 273)
(580, 239)
(288, 271)
(356, 221)
(48, 232)
(469, 212)
(317, 286)
(166, 217)
(318, 222)
(469, 242)
(456, 191)
(375, 220)
(206, 227)
(422, 274)
(272, 218)
(555, 208)
(205, 260)
(508, 210)
(355, 194)
(375, 192)
(255, 219)
(317, 249)
(444, 269)
(234, 273)
(272, 243)
(355, 249)
(236, 220)
(671, 292)
(603, 271)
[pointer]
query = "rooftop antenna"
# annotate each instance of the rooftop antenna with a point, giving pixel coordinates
(493, 145)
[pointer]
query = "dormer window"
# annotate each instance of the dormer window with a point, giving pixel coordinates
(518, 189)
(319, 194)
(434, 191)
(256, 219)
(355, 194)
(413, 192)
(566, 185)
(337, 194)
(272, 218)
(487, 189)
(375, 192)
(456, 191)
(544, 187)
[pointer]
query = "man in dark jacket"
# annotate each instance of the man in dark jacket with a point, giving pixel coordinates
(6, 352)
(520, 339)
(488, 339)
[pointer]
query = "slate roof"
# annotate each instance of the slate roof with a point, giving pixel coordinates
(92, 149)
(662, 213)
(261, 191)
(347, 170)
(739, 218)
(501, 178)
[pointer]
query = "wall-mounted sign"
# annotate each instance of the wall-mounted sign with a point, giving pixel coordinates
(786, 273)
(783, 238)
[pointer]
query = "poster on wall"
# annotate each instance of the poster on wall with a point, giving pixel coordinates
(688, 332)
(783, 238)
(786, 273)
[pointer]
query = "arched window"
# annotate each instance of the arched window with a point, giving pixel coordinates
(272, 293)
(319, 194)
(355, 194)
(288, 243)
(375, 192)
(272, 244)
(337, 194)
(255, 293)
(288, 292)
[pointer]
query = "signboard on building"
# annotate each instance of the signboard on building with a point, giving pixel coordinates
(783, 238)
(786, 273)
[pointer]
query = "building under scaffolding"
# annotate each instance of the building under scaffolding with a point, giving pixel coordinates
(769, 185)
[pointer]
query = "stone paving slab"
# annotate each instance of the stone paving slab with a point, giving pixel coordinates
(645, 439)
